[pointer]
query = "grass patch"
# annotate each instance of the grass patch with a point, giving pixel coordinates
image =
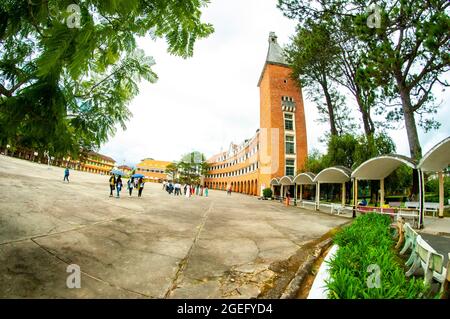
(368, 241)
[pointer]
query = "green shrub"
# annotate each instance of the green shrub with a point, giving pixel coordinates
(267, 193)
(368, 241)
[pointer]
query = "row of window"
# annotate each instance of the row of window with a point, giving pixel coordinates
(234, 162)
(150, 170)
(97, 164)
(239, 172)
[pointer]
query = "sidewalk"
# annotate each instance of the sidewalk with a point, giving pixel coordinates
(437, 233)
(436, 226)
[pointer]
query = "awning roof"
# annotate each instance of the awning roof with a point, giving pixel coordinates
(380, 167)
(305, 178)
(286, 180)
(436, 159)
(275, 181)
(332, 175)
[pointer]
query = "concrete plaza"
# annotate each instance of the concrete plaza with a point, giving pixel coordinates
(157, 246)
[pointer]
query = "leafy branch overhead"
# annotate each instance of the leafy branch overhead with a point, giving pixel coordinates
(63, 87)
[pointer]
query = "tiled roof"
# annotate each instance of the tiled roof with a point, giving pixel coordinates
(104, 157)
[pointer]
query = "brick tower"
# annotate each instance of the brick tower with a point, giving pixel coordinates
(283, 142)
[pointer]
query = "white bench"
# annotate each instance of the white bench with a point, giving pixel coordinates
(431, 262)
(412, 205)
(431, 207)
(410, 243)
(338, 208)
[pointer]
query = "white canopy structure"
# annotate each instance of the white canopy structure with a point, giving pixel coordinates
(332, 175)
(306, 178)
(285, 181)
(378, 168)
(437, 160)
(275, 182)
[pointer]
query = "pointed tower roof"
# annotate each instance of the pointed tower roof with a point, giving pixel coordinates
(275, 54)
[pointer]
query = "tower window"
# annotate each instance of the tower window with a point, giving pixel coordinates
(290, 145)
(290, 167)
(288, 122)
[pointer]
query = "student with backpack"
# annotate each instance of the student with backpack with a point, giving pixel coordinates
(112, 185)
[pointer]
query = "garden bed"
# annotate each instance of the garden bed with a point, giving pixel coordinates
(366, 250)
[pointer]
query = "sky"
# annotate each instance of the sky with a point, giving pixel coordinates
(205, 102)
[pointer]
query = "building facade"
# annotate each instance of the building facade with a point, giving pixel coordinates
(153, 170)
(91, 162)
(279, 147)
(95, 163)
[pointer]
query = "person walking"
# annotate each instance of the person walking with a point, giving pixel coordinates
(141, 187)
(185, 189)
(119, 185)
(201, 190)
(130, 185)
(188, 191)
(288, 197)
(112, 185)
(66, 174)
(206, 191)
(229, 190)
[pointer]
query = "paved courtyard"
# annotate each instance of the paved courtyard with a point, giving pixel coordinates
(157, 246)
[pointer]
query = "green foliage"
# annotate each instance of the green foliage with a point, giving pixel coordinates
(368, 241)
(191, 167)
(64, 89)
(397, 66)
(267, 193)
(432, 189)
(349, 150)
(314, 67)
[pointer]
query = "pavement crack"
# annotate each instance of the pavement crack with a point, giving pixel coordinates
(87, 274)
(184, 262)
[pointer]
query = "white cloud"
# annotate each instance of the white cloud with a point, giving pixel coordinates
(205, 102)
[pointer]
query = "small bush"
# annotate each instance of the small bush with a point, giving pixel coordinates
(267, 193)
(368, 241)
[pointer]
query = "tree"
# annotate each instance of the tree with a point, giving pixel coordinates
(68, 72)
(172, 170)
(313, 66)
(192, 166)
(408, 55)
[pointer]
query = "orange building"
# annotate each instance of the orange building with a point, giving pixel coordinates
(279, 147)
(154, 171)
(93, 163)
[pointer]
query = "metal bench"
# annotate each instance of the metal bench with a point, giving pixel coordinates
(410, 243)
(431, 262)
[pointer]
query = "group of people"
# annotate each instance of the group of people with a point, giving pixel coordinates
(116, 184)
(188, 190)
